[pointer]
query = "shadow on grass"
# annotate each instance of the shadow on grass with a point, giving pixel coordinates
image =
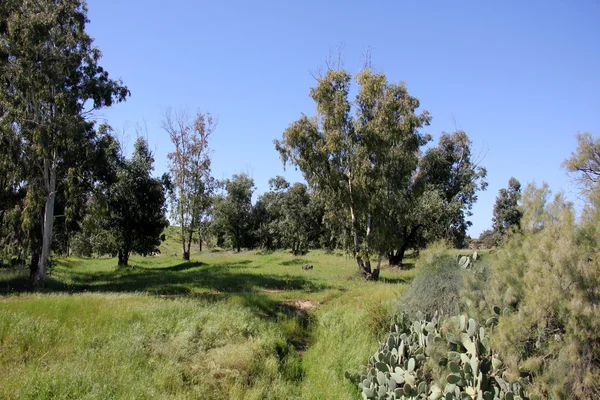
(183, 266)
(179, 279)
(395, 280)
(17, 281)
(295, 261)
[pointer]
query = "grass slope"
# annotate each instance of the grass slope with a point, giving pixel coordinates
(221, 326)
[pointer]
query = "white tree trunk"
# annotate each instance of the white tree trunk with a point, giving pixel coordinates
(50, 183)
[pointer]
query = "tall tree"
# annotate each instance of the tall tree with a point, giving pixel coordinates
(507, 213)
(451, 168)
(190, 172)
(437, 203)
(50, 81)
(232, 216)
(355, 161)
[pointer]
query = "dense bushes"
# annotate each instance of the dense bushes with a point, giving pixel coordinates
(541, 292)
(547, 281)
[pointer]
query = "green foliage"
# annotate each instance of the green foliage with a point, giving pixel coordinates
(50, 81)
(288, 217)
(507, 214)
(129, 214)
(354, 162)
(232, 214)
(545, 280)
(488, 239)
(451, 169)
(192, 186)
(437, 285)
(81, 245)
(421, 359)
(584, 163)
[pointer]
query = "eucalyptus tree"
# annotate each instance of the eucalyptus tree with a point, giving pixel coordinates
(232, 214)
(439, 199)
(268, 215)
(51, 81)
(355, 161)
(189, 165)
(135, 209)
(507, 213)
(453, 170)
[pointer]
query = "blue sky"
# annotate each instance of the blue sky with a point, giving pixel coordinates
(520, 77)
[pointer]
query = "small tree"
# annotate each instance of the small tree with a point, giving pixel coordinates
(135, 206)
(268, 214)
(232, 216)
(190, 171)
(297, 220)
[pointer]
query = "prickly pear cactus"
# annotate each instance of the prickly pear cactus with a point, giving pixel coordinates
(396, 370)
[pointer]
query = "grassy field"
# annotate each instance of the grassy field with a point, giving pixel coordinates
(241, 326)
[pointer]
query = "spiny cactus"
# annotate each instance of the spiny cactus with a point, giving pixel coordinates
(396, 370)
(467, 262)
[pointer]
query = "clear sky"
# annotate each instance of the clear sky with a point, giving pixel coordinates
(520, 77)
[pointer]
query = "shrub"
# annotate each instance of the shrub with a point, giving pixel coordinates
(437, 285)
(547, 282)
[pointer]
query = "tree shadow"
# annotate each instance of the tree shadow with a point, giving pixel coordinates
(182, 267)
(295, 261)
(17, 281)
(396, 280)
(182, 278)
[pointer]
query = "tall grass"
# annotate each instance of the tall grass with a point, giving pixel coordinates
(221, 326)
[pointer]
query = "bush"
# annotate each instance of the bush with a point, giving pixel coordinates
(547, 282)
(437, 285)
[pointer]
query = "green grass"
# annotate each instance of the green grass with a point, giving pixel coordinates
(224, 325)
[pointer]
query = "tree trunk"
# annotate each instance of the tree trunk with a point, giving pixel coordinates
(33, 266)
(396, 258)
(365, 269)
(39, 275)
(123, 258)
(189, 245)
(374, 275)
(199, 243)
(185, 253)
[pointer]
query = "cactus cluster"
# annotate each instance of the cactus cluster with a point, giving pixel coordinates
(396, 370)
(467, 262)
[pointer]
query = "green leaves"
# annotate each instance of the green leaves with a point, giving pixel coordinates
(355, 161)
(49, 82)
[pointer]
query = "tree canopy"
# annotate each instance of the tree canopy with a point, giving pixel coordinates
(50, 80)
(189, 165)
